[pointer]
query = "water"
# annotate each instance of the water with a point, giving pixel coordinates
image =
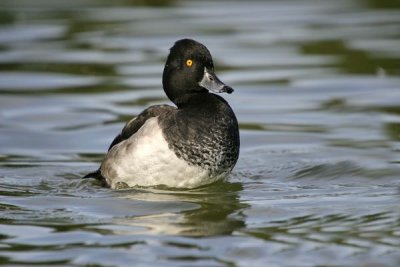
(318, 101)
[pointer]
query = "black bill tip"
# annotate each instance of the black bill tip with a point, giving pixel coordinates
(227, 89)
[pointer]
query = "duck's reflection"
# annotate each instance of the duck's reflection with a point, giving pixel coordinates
(208, 211)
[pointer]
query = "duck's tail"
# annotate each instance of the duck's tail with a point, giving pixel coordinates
(96, 175)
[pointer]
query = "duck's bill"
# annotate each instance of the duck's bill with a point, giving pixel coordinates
(211, 82)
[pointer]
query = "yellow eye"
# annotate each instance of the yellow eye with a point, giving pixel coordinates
(189, 62)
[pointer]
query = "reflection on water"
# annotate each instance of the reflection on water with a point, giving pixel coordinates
(316, 94)
(216, 213)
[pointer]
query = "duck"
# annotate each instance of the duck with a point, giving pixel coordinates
(189, 145)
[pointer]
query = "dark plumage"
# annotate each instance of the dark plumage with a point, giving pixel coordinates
(199, 138)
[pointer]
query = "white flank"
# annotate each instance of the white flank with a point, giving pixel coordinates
(146, 160)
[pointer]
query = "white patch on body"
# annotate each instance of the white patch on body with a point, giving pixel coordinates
(145, 159)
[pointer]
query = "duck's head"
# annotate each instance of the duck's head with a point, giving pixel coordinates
(190, 70)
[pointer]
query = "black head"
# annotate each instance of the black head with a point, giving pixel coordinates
(190, 70)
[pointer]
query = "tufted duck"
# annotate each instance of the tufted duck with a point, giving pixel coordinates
(190, 145)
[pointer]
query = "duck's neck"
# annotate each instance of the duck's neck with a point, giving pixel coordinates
(188, 99)
(199, 100)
